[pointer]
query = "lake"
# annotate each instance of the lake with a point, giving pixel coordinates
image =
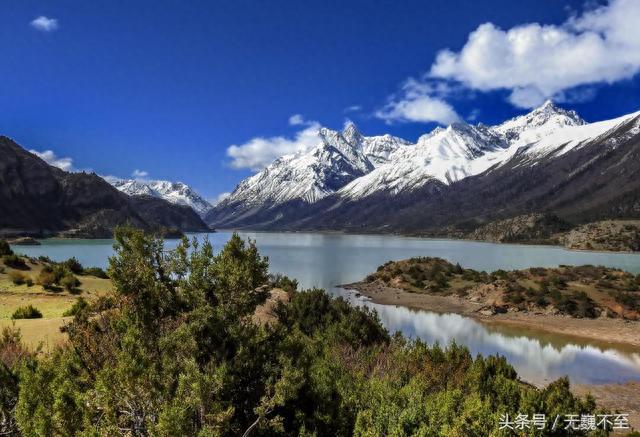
(326, 260)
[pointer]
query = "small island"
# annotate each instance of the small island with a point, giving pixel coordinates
(593, 302)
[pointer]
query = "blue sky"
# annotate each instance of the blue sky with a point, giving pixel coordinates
(167, 87)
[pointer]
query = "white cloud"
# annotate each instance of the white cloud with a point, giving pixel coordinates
(219, 198)
(421, 101)
(44, 24)
(353, 108)
(259, 152)
(140, 174)
(536, 62)
(296, 120)
(51, 158)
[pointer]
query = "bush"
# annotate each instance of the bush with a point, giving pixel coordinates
(5, 249)
(283, 282)
(628, 300)
(14, 261)
(79, 305)
(69, 282)
(73, 265)
(95, 271)
(58, 271)
(558, 282)
(28, 312)
(46, 278)
(18, 278)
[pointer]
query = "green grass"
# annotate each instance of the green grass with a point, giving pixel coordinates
(53, 304)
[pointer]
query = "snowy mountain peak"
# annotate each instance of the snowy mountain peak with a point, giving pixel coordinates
(460, 140)
(175, 192)
(543, 120)
(549, 109)
(352, 134)
(309, 175)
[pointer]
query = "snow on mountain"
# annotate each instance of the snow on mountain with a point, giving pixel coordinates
(377, 149)
(174, 192)
(446, 155)
(537, 123)
(540, 143)
(339, 158)
(460, 150)
(355, 166)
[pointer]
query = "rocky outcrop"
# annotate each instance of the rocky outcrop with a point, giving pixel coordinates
(608, 235)
(531, 228)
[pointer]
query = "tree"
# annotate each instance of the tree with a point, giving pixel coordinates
(175, 352)
(5, 249)
(12, 355)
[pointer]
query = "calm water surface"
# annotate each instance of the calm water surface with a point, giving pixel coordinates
(326, 260)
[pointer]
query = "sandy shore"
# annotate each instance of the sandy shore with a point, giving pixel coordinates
(624, 398)
(603, 331)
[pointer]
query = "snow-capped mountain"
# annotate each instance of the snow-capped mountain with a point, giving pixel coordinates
(377, 149)
(348, 166)
(337, 159)
(446, 155)
(175, 192)
(549, 117)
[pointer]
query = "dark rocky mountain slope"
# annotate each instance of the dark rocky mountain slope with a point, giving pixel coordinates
(38, 199)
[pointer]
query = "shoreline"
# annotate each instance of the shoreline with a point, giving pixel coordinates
(535, 243)
(613, 332)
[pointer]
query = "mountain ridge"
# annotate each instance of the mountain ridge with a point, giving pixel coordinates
(177, 193)
(41, 200)
(445, 163)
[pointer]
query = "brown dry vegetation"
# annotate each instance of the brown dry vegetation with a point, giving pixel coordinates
(583, 291)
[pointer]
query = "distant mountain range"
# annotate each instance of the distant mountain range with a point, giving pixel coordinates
(177, 193)
(41, 200)
(460, 177)
(451, 181)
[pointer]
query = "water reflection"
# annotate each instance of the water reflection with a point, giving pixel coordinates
(536, 361)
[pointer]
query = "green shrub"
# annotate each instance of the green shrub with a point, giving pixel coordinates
(558, 282)
(5, 249)
(79, 305)
(14, 261)
(28, 312)
(59, 271)
(628, 300)
(73, 265)
(95, 271)
(69, 282)
(515, 298)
